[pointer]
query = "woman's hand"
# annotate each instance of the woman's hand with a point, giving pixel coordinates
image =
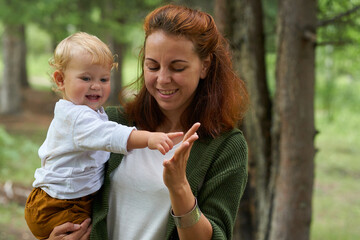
(71, 231)
(174, 174)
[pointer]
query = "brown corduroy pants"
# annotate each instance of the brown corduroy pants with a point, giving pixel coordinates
(43, 213)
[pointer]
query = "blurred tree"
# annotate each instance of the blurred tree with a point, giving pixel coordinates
(14, 53)
(204, 5)
(242, 23)
(10, 91)
(277, 201)
(24, 79)
(293, 129)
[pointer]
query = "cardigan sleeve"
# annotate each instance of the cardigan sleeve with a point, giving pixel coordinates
(224, 183)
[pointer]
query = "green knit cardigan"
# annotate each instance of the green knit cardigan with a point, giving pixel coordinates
(216, 171)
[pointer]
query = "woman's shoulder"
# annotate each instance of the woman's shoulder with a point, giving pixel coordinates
(228, 145)
(233, 136)
(117, 114)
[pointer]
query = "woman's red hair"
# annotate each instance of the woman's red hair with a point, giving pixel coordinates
(221, 98)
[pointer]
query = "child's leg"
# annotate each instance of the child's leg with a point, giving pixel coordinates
(43, 213)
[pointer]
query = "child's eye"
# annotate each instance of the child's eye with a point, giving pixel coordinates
(85, 78)
(104, 79)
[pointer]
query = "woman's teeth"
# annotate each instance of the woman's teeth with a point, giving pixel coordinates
(167, 92)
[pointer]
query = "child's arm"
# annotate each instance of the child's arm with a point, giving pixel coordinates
(154, 140)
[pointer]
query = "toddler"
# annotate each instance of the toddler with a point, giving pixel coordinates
(80, 137)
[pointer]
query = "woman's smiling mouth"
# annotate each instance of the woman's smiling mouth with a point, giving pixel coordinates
(167, 92)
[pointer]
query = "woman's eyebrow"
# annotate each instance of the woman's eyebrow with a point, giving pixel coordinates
(173, 61)
(179, 60)
(150, 59)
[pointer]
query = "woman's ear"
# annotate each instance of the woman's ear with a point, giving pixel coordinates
(59, 79)
(205, 67)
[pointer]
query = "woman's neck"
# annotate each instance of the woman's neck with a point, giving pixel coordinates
(172, 123)
(169, 126)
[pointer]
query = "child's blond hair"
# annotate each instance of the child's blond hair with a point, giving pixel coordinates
(81, 42)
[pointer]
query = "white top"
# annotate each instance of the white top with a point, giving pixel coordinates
(139, 201)
(76, 147)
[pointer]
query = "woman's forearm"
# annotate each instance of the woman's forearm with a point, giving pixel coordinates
(183, 203)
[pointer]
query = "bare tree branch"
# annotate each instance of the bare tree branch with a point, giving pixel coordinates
(338, 17)
(334, 43)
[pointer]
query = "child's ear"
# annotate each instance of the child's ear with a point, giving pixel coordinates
(59, 79)
(205, 67)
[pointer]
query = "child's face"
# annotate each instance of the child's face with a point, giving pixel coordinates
(84, 83)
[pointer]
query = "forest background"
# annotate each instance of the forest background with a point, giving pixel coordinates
(42, 24)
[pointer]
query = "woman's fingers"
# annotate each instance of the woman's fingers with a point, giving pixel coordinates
(191, 131)
(84, 232)
(65, 228)
(86, 236)
(72, 231)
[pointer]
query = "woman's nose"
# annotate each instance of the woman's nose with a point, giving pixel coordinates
(164, 76)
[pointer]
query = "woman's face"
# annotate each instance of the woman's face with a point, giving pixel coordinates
(172, 71)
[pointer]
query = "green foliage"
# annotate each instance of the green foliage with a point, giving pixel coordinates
(338, 31)
(270, 15)
(18, 158)
(12, 12)
(37, 40)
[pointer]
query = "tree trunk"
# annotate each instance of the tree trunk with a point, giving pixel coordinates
(294, 120)
(23, 68)
(223, 14)
(241, 22)
(249, 43)
(10, 92)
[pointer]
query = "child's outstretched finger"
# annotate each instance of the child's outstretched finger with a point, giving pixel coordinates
(174, 134)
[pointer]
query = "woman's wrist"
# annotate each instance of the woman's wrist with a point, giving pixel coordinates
(182, 199)
(189, 219)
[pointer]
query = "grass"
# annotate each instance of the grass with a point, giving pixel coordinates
(12, 219)
(336, 202)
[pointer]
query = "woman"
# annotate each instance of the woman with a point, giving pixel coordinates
(187, 77)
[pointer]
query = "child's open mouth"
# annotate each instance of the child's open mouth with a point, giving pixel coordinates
(93, 97)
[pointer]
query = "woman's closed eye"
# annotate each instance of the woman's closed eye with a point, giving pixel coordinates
(178, 69)
(152, 67)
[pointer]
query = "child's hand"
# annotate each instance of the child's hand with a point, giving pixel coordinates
(162, 141)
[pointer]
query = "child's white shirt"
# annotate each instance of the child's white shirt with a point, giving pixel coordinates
(77, 145)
